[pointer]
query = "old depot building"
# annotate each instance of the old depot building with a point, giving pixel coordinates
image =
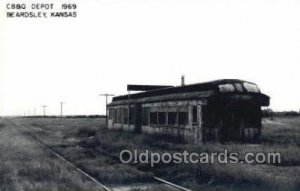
(218, 111)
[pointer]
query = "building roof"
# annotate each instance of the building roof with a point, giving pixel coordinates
(134, 87)
(191, 91)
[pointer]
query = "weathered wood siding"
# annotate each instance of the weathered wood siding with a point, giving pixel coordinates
(182, 128)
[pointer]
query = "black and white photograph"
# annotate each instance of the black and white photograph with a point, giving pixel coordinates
(149, 95)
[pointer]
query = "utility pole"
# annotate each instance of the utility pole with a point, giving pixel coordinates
(182, 80)
(44, 109)
(61, 109)
(106, 101)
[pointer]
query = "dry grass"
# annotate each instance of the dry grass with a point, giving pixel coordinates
(96, 150)
(27, 166)
(282, 130)
(75, 140)
(234, 176)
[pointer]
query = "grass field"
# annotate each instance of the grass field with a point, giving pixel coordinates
(95, 149)
(25, 165)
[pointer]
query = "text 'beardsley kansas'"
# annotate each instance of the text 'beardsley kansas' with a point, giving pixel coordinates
(37, 10)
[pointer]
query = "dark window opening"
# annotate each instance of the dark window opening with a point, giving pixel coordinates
(195, 113)
(172, 118)
(145, 116)
(182, 118)
(162, 118)
(125, 115)
(115, 112)
(153, 118)
(131, 116)
(119, 118)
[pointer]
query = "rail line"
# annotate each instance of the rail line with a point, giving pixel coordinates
(37, 141)
(171, 184)
(81, 171)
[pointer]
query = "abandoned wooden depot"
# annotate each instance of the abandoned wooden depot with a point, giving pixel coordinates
(218, 111)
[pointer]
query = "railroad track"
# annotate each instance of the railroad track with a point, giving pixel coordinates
(81, 171)
(50, 150)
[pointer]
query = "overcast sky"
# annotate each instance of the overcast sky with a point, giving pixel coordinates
(115, 42)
